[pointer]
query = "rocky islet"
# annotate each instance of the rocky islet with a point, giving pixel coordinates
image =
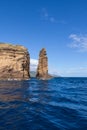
(42, 69)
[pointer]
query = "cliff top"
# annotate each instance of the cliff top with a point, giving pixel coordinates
(12, 47)
(42, 52)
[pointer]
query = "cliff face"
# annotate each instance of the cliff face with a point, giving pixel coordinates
(42, 70)
(14, 62)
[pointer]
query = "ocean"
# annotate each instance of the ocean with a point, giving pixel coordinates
(56, 104)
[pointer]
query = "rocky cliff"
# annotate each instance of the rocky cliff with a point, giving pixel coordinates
(14, 62)
(42, 70)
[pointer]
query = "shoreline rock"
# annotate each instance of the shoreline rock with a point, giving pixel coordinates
(14, 62)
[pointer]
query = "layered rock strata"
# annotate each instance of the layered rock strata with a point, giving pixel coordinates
(42, 70)
(14, 62)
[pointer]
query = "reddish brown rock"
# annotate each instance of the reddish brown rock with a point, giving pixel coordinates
(14, 62)
(42, 70)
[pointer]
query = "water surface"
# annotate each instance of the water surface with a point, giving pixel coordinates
(56, 104)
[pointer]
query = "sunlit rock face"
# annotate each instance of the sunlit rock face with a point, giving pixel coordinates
(42, 70)
(14, 62)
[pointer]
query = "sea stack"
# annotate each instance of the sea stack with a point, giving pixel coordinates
(14, 62)
(42, 69)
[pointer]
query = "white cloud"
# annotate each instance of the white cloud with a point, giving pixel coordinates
(53, 20)
(76, 72)
(75, 37)
(54, 72)
(33, 64)
(79, 42)
(47, 17)
(44, 14)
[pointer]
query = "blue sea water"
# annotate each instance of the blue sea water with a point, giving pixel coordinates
(56, 104)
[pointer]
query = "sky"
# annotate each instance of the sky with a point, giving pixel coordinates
(60, 26)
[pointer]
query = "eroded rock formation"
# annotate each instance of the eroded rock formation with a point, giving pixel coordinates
(42, 70)
(14, 62)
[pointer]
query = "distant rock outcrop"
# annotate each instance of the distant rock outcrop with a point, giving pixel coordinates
(42, 70)
(14, 62)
